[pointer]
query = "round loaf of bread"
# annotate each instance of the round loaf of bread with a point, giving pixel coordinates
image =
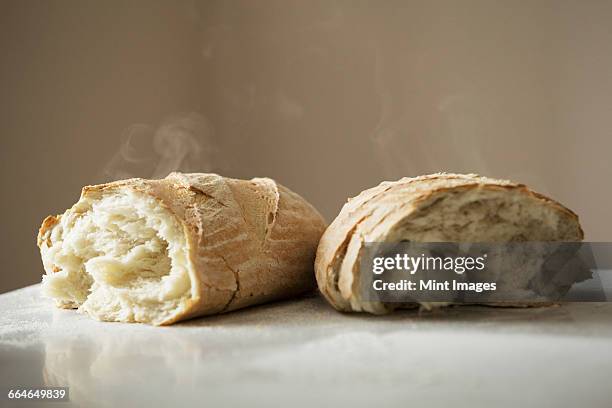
(433, 208)
(160, 251)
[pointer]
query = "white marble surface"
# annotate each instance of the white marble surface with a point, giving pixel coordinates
(303, 353)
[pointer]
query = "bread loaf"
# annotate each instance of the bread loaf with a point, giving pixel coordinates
(160, 251)
(432, 208)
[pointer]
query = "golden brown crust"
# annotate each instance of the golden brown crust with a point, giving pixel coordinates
(46, 226)
(249, 241)
(375, 210)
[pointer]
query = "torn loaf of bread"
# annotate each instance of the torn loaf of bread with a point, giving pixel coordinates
(160, 251)
(433, 208)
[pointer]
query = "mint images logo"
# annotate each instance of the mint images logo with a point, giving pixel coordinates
(408, 272)
(407, 264)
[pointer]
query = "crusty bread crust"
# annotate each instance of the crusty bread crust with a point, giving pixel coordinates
(377, 210)
(249, 241)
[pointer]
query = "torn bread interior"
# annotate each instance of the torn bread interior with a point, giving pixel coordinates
(159, 251)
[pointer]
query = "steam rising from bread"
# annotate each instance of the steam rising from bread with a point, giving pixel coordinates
(180, 143)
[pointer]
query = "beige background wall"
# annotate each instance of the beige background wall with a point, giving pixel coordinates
(327, 97)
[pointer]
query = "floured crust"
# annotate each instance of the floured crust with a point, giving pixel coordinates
(249, 241)
(370, 216)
